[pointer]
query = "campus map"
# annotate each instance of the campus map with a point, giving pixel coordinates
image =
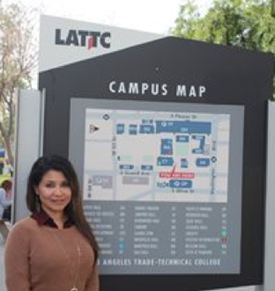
(143, 155)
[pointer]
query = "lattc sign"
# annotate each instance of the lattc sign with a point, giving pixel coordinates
(83, 38)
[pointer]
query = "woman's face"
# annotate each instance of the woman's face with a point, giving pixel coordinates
(54, 193)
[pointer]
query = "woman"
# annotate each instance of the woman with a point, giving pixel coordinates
(5, 207)
(5, 200)
(53, 249)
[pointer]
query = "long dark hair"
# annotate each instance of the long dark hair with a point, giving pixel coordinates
(74, 209)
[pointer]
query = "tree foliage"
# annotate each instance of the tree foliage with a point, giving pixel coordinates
(17, 61)
(245, 23)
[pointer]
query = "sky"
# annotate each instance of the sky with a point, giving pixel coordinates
(156, 16)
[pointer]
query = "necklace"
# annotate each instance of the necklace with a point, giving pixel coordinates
(70, 260)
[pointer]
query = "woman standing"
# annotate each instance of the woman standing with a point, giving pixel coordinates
(6, 200)
(5, 207)
(53, 249)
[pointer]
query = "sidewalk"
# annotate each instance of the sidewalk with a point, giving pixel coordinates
(2, 277)
(2, 250)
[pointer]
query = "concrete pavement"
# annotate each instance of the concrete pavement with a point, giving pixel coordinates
(2, 277)
(2, 250)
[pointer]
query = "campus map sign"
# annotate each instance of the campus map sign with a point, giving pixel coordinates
(168, 139)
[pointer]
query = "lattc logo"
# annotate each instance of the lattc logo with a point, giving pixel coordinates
(83, 38)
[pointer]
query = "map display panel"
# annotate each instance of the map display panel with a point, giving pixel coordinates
(156, 156)
(162, 184)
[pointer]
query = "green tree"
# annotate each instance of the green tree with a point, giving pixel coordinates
(17, 62)
(245, 23)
